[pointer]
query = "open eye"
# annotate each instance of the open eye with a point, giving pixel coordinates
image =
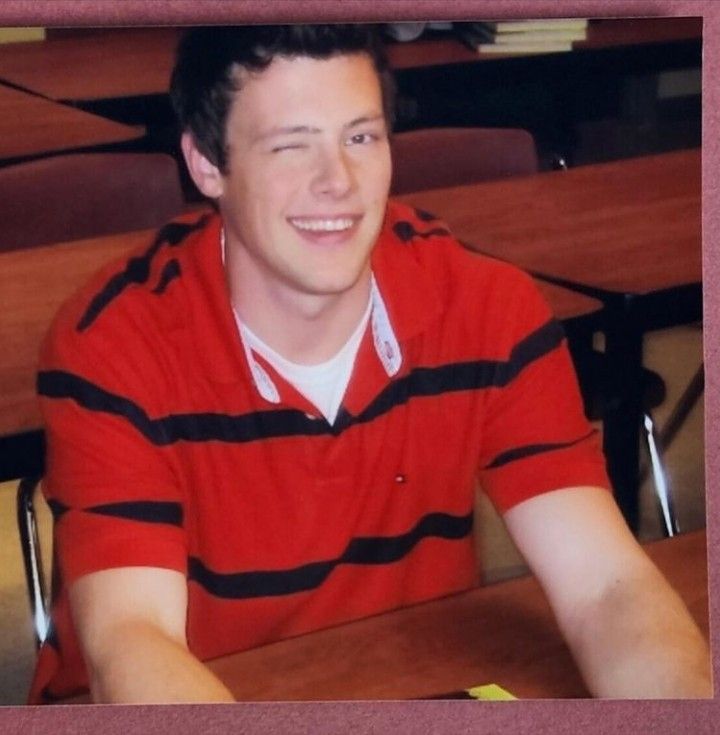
(362, 139)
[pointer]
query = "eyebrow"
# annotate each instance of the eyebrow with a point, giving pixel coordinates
(364, 119)
(298, 129)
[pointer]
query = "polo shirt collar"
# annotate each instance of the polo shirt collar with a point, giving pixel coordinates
(405, 301)
(386, 347)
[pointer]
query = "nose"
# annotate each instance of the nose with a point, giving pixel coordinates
(334, 176)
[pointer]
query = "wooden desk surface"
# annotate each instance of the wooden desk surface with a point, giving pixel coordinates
(567, 304)
(34, 282)
(111, 63)
(116, 63)
(630, 226)
(31, 125)
(503, 634)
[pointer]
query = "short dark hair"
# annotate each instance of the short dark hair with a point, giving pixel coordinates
(205, 75)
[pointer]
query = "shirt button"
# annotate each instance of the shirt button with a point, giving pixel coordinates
(400, 479)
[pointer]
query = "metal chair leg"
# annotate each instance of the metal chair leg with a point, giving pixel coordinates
(662, 488)
(32, 560)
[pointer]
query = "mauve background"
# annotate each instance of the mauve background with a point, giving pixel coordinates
(564, 716)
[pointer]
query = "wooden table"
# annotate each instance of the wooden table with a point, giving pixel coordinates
(626, 232)
(504, 633)
(33, 284)
(112, 63)
(32, 126)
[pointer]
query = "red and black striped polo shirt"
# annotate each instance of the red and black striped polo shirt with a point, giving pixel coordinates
(162, 452)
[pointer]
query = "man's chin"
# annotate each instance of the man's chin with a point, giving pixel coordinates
(337, 285)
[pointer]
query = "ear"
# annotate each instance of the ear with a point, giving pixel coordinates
(206, 175)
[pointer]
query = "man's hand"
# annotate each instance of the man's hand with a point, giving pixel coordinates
(629, 632)
(131, 626)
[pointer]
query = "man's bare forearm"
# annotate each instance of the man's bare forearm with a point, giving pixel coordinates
(143, 665)
(639, 641)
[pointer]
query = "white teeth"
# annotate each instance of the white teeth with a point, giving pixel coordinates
(323, 225)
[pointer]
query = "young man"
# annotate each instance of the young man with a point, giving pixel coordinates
(273, 419)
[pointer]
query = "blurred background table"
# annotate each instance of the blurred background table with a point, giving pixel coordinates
(32, 126)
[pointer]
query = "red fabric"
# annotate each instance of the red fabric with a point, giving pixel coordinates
(371, 514)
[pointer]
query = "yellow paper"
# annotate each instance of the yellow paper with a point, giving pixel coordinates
(490, 692)
(14, 35)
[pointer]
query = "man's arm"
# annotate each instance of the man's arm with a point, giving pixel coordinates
(131, 626)
(629, 632)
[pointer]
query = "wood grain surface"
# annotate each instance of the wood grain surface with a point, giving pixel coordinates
(33, 284)
(31, 125)
(629, 226)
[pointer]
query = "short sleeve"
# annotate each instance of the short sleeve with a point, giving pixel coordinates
(536, 437)
(110, 483)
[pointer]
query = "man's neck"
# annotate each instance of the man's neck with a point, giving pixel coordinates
(307, 329)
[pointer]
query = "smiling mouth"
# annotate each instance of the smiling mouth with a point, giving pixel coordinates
(323, 224)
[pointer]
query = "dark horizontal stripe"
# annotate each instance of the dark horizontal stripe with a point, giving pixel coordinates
(61, 384)
(370, 550)
(48, 697)
(421, 214)
(170, 272)
(149, 511)
(137, 269)
(406, 231)
(179, 427)
(531, 449)
(57, 508)
(420, 382)
(462, 376)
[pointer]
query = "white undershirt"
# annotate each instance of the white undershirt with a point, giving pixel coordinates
(324, 385)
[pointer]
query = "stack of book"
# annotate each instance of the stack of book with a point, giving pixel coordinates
(523, 36)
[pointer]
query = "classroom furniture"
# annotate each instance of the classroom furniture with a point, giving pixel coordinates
(625, 232)
(75, 196)
(431, 158)
(503, 633)
(31, 126)
(131, 62)
(110, 63)
(123, 74)
(611, 77)
(33, 554)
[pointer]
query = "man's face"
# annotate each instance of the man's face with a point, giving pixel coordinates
(308, 174)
